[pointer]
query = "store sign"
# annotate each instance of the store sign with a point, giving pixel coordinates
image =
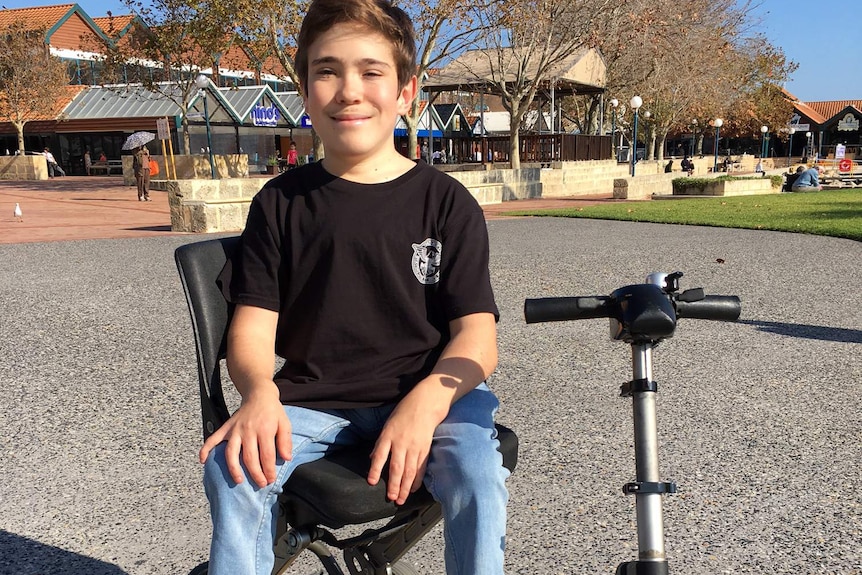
(849, 123)
(265, 116)
(840, 150)
(305, 121)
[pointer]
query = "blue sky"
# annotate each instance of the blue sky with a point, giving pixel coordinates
(820, 36)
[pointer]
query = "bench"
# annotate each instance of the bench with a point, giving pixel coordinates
(108, 167)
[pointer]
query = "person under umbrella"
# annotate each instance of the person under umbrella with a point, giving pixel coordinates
(141, 168)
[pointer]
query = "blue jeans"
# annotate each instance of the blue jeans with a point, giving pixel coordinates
(465, 474)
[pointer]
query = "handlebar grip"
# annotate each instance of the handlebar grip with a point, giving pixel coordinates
(566, 308)
(715, 307)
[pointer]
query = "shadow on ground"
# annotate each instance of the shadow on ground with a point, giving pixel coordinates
(22, 556)
(805, 331)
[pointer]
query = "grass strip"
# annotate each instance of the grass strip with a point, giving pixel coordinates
(836, 213)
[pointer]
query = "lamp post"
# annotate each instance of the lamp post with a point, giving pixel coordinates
(693, 130)
(763, 151)
(201, 82)
(807, 144)
(636, 102)
(718, 122)
(614, 103)
(790, 145)
(648, 151)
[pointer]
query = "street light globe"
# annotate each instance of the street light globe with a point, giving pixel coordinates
(763, 129)
(718, 122)
(792, 131)
(614, 102)
(636, 102)
(807, 134)
(647, 114)
(201, 81)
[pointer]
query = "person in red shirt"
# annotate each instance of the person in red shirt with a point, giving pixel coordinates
(292, 157)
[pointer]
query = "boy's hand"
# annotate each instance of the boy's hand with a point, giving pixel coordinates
(255, 432)
(405, 441)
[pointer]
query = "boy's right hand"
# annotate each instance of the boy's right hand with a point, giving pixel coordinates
(255, 434)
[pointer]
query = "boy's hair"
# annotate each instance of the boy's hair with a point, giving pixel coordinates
(378, 16)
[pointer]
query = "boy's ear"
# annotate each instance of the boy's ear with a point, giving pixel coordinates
(407, 94)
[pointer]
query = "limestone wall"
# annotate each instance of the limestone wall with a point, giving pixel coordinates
(643, 186)
(194, 166)
(203, 206)
(498, 185)
(23, 168)
(587, 178)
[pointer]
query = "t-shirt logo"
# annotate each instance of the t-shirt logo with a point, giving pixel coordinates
(426, 261)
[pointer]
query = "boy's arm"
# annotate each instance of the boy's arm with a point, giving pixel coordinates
(259, 427)
(468, 359)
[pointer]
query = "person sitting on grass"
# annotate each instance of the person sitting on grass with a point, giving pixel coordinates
(808, 180)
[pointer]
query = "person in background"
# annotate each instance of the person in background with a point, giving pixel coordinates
(88, 161)
(292, 156)
(54, 168)
(141, 168)
(687, 165)
(808, 180)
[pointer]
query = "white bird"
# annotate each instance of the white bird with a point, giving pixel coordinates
(19, 215)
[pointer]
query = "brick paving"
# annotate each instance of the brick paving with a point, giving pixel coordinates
(102, 207)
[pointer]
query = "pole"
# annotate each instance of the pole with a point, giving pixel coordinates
(635, 144)
(715, 163)
(790, 147)
(209, 137)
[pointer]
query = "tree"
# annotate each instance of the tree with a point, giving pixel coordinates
(30, 78)
(531, 42)
(270, 28)
(443, 28)
(165, 55)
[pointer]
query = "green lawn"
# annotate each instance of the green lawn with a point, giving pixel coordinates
(835, 213)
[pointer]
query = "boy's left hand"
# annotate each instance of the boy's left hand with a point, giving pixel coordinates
(405, 441)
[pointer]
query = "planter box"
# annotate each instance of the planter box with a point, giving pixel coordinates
(720, 187)
(23, 168)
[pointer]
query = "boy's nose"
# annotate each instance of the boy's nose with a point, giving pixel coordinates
(350, 89)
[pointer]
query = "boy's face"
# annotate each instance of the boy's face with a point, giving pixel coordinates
(352, 96)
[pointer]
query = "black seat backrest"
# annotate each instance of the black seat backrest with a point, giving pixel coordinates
(199, 265)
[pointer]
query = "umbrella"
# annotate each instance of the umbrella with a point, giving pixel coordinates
(138, 139)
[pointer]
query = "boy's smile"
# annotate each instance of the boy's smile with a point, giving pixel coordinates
(353, 98)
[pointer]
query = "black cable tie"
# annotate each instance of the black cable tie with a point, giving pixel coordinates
(642, 487)
(636, 386)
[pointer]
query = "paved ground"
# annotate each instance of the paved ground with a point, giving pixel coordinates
(100, 207)
(759, 420)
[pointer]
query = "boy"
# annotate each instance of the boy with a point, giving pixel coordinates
(368, 273)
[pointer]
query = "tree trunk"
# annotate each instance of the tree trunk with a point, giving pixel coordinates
(660, 143)
(187, 143)
(514, 142)
(19, 127)
(319, 152)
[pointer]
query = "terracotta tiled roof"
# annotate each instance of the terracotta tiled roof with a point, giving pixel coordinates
(118, 23)
(810, 112)
(830, 109)
(39, 16)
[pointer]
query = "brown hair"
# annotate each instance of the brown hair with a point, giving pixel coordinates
(378, 16)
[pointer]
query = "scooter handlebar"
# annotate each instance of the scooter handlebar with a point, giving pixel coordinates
(714, 307)
(566, 308)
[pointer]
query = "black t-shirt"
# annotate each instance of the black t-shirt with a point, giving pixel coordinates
(365, 278)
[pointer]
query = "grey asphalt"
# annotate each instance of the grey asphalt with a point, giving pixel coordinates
(759, 420)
